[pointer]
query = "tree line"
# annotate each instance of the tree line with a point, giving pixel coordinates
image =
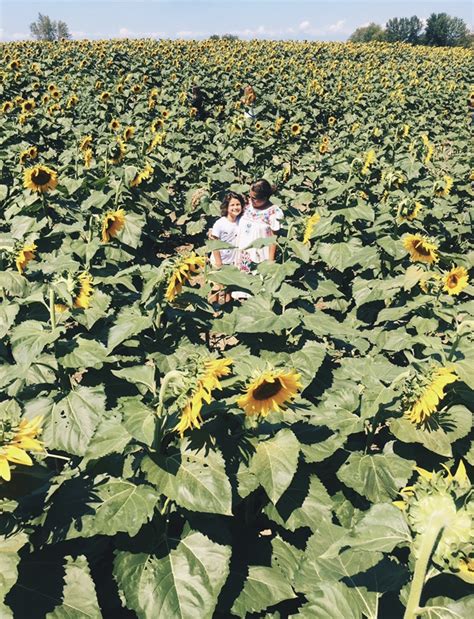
(440, 30)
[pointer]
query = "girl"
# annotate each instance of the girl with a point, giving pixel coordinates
(225, 229)
(261, 219)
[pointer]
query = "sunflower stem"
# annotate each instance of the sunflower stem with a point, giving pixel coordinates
(428, 542)
(52, 310)
(167, 379)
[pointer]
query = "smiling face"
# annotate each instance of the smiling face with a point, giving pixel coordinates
(234, 209)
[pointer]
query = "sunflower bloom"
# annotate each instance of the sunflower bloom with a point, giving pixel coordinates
(269, 392)
(431, 395)
(369, 160)
(26, 253)
(128, 133)
(86, 288)
(455, 281)
(183, 271)
(112, 223)
(118, 152)
(142, 175)
(86, 142)
(208, 380)
(295, 129)
(421, 249)
(408, 212)
(40, 178)
(310, 224)
(15, 450)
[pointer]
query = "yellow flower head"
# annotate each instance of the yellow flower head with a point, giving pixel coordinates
(185, 268)
(426, 402)
(26, 253)
(86, 142)
(271, 391)
(112, 223)
(14, 451)
(85, 283)
(309, 227)
(128, 133)
(40, 179)
(421, 249)
(114, 124)
(408, 211)
(118, 151)
(455, 280)
(295, 129)
(370, 158)
(207, 381)
(142, 175)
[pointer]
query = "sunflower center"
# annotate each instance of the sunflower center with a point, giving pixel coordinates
(41, 177)
(267, 390)
(453, 281)
(421, 249)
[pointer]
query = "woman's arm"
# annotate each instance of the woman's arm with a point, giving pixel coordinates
(272, 250)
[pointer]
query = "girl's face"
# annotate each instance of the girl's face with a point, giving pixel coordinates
(234, 208)
(257, 202)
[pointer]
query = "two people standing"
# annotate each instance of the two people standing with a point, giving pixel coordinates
(241, 224)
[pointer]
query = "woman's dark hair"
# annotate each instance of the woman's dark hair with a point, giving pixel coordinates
(227, 198)
(262, 189)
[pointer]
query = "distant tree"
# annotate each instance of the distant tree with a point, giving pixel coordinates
(45, 29)
(444, 30)
(405, 29)
(229, 37)
(372, 32)
(214, 37)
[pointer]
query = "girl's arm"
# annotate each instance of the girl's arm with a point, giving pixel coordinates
(272, 251)
(217, 258)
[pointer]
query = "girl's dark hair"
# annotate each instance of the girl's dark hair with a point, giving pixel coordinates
(227, 198)
(262, 189)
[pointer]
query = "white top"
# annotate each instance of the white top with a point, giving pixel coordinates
(226, 231)
(256, 224)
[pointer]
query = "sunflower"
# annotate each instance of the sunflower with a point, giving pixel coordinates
(85, 142)
(331, 121)
(28, 106)
(104, 96)
(40, 178)
(7, 107)
(184, 269)
(455, 281)
(421, 248)
(279, 123)
(55, 94)
(271, 391)
(114, 124)
(431, 393)
(142, 175)
(370, 158)
(72, 101)
(112, 223)
(207, 380)
(88, 156)
(15, 449)
(24, 255)
(128, 133)
(118, 152)
(309, 227)
(85, 284)
(52, 87)
(158, 123)
(408, 212)
(295, 129)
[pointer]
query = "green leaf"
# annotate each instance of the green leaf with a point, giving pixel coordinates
(110, 437)
(79, 599)
(8, 312)
(14, 283)
(308, 360)
(256, 316)
(129, 322)
(28, 340)
(446, 608)
(9, 559)
(85, 353)
(376, 477)
(196, 480)
(381, 528)
(275, 462)
(138, 419)
(184, 583)
(132, 230)
(264, 587)
(139, 375)
(335, 600)
(73, 420)
(118, 505)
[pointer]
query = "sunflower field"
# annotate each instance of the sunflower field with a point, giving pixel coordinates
(305, 453)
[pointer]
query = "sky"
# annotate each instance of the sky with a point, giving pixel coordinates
(323, 20)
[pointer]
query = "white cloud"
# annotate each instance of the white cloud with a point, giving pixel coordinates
(339, 26)
(125, 33)
(305, 25)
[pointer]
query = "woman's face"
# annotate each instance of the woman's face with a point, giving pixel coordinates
(235, 208)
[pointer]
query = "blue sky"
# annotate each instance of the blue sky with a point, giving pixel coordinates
(323, 20)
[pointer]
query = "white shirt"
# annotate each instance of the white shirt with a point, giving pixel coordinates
(226, 231)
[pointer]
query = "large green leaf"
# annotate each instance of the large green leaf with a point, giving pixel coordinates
(377, 477)
(138, 418)
(381, 528)
(28, 340)
(195, 479)
(73, 420)
(334, 600)
(263, 587)
(184, 583)
(446, 608)
(129, 322)
(274, 463)
(79, 600)
(9, 559)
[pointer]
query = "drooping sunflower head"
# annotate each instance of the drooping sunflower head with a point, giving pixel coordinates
(112, 223)
(84, 289)
(455, 280)
(128, 133)
(424, 392)
(85, 142)
(181, 271)
(271, 391)
(104, 96)
(157, 124)
(408, 210)
(143, 175)
(117, 151)
(421, 248)
(24, 255)
(40, 178)
(309, 227)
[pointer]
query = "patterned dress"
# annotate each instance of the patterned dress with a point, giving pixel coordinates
(255, 224)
